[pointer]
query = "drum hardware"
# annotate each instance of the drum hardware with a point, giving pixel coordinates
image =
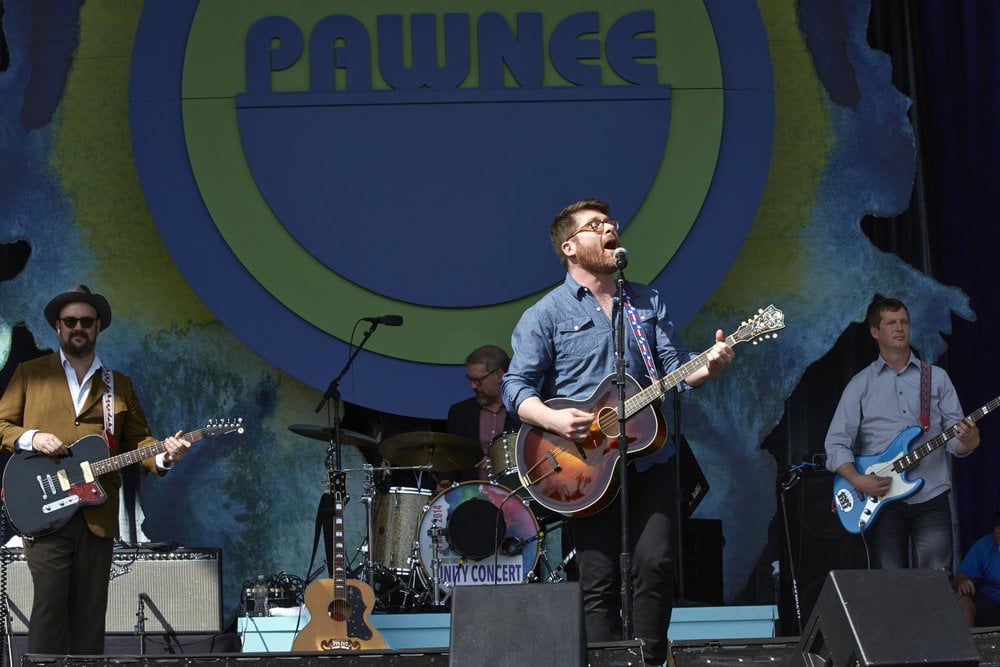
(561, 567)
(436, 533)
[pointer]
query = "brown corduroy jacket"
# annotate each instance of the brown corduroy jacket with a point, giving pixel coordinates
(38, 398)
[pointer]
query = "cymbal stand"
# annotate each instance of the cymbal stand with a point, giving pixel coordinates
(409, 592)
(367, 566)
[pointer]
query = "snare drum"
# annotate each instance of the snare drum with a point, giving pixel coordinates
(473, 542)
(395, 516)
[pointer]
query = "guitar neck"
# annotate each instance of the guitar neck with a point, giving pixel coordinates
(120, 461)
(660, 388)
(912, 459)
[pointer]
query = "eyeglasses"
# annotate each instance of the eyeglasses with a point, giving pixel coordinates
(479, 380)
(596, 225)
(85, 322)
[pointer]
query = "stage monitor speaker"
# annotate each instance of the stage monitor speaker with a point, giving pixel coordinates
(887, 618)
(181, 589)
(517, 625)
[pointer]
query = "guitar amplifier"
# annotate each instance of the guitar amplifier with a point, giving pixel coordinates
(180, 591)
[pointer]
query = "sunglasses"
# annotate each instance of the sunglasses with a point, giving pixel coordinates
(85, 322)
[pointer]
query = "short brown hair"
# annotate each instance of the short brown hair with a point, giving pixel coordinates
(564, 223)
(491, 356)
(879, 306)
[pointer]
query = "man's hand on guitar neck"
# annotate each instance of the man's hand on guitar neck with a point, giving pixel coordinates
(968, 436)
(871, 484)
(719, 357)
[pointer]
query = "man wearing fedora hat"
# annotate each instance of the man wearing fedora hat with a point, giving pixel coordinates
(50, 403)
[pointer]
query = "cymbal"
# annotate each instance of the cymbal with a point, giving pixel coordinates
(325, 433)
(443, 451)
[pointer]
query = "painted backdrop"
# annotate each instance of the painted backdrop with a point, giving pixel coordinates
(245, 180)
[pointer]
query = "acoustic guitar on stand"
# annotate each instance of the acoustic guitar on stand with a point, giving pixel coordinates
(577, 478)
(338, 608)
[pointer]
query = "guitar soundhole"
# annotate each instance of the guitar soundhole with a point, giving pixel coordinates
(607, 421)
(340, 610)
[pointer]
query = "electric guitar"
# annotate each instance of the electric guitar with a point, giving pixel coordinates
(577, 478)
(41, 493)
(338, 608)
(857, 511)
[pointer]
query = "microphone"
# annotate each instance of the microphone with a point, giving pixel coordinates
(512, 546)
(621, 258)
(388, 320)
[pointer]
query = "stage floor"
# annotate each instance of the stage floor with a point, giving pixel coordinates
(431, 630)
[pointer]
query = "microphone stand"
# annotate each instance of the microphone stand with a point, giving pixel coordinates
(140, 623)
(334, 461)
(679, 514)
(625, 559)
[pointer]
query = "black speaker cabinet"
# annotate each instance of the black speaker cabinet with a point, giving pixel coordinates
(702, 560)
(887, 618)
(517, 625)
(181, 589)
(813, 542)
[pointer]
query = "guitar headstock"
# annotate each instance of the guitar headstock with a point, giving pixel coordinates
(337, 483)
(219, 427)
(762, 325)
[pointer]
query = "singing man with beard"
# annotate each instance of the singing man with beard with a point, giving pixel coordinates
(50, 403)
(563, 348)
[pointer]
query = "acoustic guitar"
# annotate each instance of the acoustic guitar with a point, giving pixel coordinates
(577, 478)
(339, 607)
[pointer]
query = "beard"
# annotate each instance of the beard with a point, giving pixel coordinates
(78, 347)
(594, 260)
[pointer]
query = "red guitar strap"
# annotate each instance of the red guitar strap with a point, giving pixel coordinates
(108, 402)
(925, 396)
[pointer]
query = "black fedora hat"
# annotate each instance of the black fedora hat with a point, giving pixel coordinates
(82, 294)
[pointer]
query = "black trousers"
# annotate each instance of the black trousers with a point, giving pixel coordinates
(70, 570)
(652, 533)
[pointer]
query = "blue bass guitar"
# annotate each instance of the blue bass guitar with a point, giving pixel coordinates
(857, 511)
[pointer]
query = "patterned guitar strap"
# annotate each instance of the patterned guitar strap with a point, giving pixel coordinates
(925, 396)
(640, 335)
(109, 407)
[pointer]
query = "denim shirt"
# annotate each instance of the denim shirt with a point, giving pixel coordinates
(878, 404)
(564, 346)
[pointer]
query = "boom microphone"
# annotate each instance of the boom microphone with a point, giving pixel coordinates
(388, 320)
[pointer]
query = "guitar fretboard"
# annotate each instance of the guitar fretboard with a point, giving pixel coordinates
(913, 458)
(141, 454)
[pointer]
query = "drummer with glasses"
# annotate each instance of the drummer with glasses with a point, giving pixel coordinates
(482, 417)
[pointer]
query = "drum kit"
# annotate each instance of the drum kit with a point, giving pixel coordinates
(419, 544)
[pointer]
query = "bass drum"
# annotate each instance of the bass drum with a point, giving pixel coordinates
(475, 543)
